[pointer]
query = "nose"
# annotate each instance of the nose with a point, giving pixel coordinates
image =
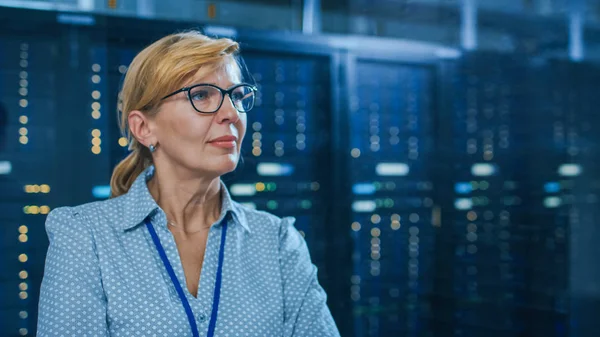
(227, 112)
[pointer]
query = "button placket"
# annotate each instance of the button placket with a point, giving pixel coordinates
(203, 303)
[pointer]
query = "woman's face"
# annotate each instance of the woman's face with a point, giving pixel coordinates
(190, 139)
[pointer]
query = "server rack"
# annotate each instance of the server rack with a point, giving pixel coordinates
(31, 134)
(482, 284)
(390, 156)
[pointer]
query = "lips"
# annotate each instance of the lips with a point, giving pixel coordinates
(225, 142)
(224, 139)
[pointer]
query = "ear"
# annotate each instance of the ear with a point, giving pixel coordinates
(141, 128)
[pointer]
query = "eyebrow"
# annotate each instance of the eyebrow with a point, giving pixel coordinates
(212, 83)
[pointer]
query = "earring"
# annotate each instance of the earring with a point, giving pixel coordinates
(152, 148)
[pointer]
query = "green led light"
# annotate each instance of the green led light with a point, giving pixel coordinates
(306, 204)
(272, 204)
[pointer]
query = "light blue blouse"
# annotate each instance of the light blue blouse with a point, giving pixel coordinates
(103, 275)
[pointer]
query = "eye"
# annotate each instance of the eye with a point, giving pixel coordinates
(241, 93)
(199, 95)
(238, 96)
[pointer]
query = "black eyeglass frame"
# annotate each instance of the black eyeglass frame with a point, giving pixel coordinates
(223, 93)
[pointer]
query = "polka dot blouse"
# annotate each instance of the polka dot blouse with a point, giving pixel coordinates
(104, 277)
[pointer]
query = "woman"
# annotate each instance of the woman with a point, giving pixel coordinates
(171, 254)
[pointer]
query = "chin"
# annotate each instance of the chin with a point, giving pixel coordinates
(222, 165)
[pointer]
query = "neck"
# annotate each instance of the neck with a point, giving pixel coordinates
(191, 203)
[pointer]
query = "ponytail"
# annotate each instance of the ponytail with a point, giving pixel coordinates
(127, 171)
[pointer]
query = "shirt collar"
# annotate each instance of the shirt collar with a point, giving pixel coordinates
(139, 203)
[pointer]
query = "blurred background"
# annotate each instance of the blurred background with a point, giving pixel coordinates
(442, 157)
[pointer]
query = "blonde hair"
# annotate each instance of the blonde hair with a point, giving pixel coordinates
(156, 71)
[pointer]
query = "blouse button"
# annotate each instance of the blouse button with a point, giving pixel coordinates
(202, 317)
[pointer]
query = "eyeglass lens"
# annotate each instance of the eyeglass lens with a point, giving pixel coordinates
(208, 99)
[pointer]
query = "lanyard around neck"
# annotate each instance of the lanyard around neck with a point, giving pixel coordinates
(184, 301)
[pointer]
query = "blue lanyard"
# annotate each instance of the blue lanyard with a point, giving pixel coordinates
(184, 301)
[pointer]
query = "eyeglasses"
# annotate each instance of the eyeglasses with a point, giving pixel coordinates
(208, 98)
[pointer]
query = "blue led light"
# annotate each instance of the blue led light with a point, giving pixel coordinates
(363, 189)
(463, 188)
(101, 192)
(552, 187)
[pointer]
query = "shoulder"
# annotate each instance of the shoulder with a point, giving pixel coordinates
(264, 223)
(92, 215)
